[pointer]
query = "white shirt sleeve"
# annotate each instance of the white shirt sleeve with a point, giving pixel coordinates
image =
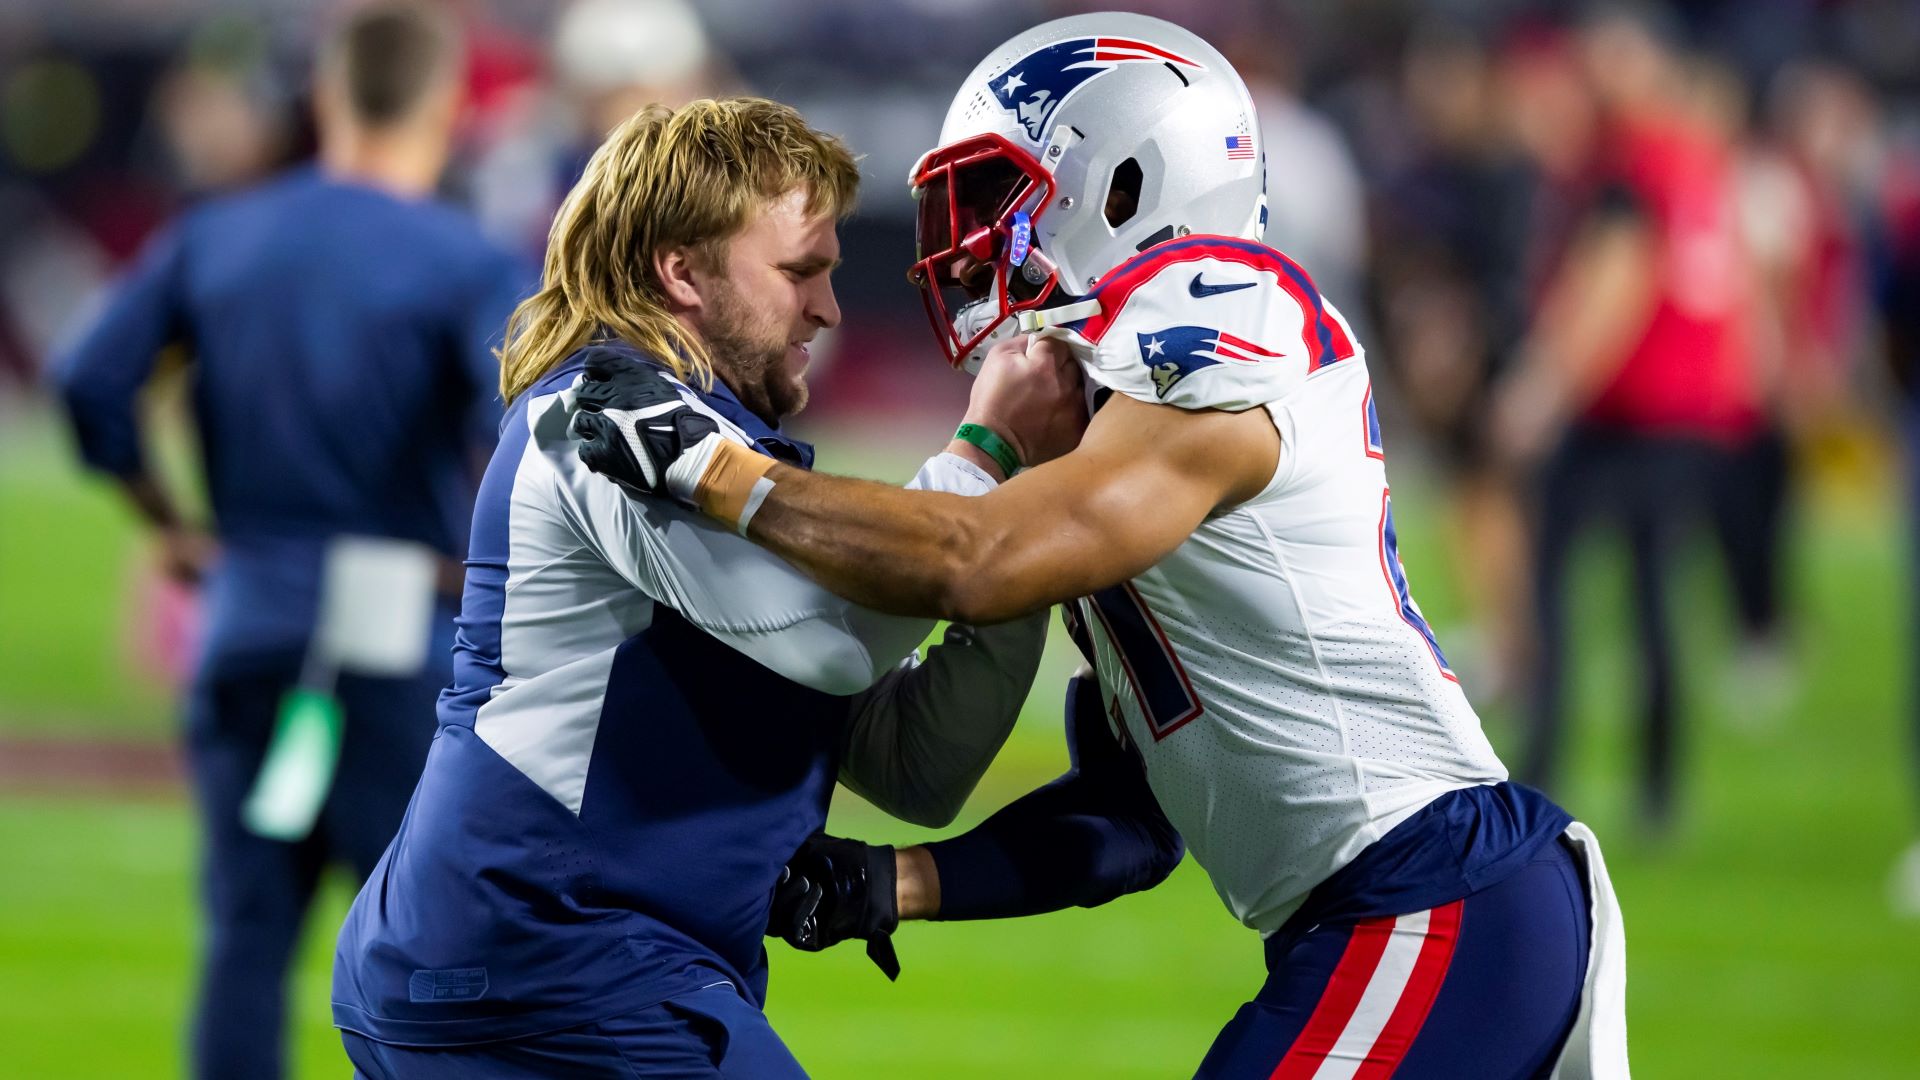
(722, 583)
(920, 734)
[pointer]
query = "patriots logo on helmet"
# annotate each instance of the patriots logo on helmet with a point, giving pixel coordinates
(1035, 85)
(1176, 352)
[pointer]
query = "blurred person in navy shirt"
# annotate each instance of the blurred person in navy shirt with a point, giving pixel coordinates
(339, 325)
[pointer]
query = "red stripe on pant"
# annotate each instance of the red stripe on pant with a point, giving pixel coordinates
(1416, 1001)
(1348, 984)
(1337, 1002)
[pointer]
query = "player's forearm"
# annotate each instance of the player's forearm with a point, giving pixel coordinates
(901, 552)
(1131, 492)
(920, 739)
(1069, 844)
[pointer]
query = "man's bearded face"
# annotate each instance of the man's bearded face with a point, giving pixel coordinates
(761, 359)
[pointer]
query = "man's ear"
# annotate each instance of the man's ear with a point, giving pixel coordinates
(675, 269)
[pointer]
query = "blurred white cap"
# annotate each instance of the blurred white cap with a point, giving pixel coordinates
(606, 44)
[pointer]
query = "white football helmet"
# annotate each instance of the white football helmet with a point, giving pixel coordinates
(1071, 148)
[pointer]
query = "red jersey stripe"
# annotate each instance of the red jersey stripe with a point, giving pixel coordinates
(1225, 353)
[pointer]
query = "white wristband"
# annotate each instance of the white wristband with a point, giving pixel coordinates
(761, 489)
(683, 476)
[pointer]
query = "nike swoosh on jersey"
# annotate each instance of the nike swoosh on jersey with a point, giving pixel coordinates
(1197, 289)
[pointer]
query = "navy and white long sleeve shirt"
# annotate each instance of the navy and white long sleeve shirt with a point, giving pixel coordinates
(647, 717)
(343, 381)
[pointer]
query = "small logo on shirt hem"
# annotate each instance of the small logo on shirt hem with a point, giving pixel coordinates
(450, 984)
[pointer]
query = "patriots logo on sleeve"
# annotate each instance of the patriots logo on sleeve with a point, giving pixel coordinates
(1176, 352)
(1035, 85)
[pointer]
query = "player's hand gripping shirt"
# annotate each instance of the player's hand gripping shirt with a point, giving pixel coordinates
(1290, 701)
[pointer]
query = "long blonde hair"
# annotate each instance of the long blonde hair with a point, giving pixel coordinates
(693, 178)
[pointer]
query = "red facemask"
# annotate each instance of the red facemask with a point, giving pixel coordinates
(980, 200)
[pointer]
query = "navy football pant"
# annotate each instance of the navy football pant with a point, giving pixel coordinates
(1485, 987)
(698, 1036)
(256, 891)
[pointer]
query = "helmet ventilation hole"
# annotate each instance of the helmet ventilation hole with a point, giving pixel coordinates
(1123, 194)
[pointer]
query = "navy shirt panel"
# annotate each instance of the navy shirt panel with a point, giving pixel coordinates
(498, 912)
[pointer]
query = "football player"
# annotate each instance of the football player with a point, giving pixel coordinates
(1223, 541)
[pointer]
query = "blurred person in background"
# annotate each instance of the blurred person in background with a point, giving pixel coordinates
(1805, 206)
(1322, 221)
(609, 59)
(1636, 380)
(1453, 228)
(221, 115)
(338, 325)
(1749, 486)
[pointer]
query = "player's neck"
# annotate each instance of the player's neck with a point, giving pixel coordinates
(402, 162)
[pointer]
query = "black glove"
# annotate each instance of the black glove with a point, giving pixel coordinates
(834, 889)
(634, 427)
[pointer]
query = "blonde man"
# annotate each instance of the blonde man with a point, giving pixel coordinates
(648, 712)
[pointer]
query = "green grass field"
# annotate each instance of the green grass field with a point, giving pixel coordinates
(1760, 941)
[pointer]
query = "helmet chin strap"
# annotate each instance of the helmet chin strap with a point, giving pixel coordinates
(1040, 322)
(1032, 322)
(969, 320)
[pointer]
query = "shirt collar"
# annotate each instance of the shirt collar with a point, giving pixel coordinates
(769, 440)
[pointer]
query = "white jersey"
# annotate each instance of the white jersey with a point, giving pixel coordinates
(1289, 699)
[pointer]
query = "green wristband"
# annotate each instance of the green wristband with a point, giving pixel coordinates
(991, 444)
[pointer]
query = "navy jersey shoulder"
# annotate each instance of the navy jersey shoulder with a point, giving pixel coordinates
(343, 381)
(448, 233)
(305, 243)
